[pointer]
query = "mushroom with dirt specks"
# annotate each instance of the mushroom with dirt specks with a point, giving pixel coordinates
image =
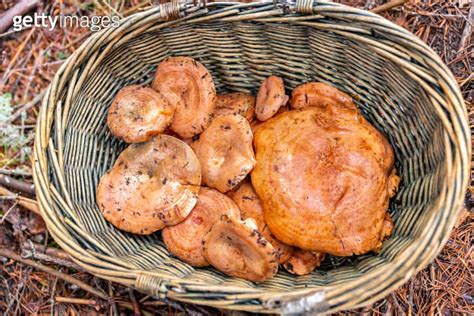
(138, 113)
(236, 248)
(188, 86)
(318, 94)
(225, 152)
(184, 240)
(235, 103)
(150, 186)
(271, 96)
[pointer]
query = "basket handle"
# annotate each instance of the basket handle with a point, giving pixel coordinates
(173, 9)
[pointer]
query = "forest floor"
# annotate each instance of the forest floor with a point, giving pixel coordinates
(38, 277)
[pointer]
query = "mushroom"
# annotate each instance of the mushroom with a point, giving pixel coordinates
(235, 103)
(184, 240)
(387, 227)
(138, 113)
(319, 94)
(271, 96)
(322, 179)
(251, 207)
(236, 248)
(393, 183)
(150, 186)
(225, 152)
(303, 262)
(254, 124)
(188, 86)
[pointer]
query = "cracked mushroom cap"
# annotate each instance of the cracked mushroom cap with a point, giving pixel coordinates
(236, 248)
(313, 168)
(151, 185)
(271, 96)
(251, 207)
(225, 152)
(188, 86)
(303, 262)
(138, 113)
(318, 94)
(235, 103)
(184, 240)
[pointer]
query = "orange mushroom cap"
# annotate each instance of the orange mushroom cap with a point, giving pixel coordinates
(303, 262)
(188, 86)
(184, 240)
(271, 96)
(312, 169)
(225, 152)
(235, 103)
(138, 113)
(150, 186)
(250, 207)
(236, 248)
(319, 94)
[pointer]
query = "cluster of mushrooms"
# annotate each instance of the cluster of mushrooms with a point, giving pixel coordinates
(247, 184)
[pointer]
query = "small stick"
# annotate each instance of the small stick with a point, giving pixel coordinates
(7, 213)
(136, 307)
(29, 245)
(22, 7)
(27, 203)
(50, 255)
(15, 184)
(387, 6)
(467, 32)
(18, 173)
(73, 300)
(12, 255)
(129, 306)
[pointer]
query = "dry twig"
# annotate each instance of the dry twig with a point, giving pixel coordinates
(23, 201)
(15, 184)
(12, 255)
(387, 6)
(21, 8)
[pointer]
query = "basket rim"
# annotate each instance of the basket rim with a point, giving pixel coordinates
(457, 163)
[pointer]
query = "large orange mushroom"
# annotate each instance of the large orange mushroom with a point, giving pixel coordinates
(251, 207)
(236, 248)
(150, 186)
(324, 179)
(138, 113)
(188, 86)
(225, 152)
(184, 240)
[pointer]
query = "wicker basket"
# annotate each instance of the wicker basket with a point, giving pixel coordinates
(399, 84)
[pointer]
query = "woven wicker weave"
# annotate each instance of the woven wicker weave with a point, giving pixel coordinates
(400, 85)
